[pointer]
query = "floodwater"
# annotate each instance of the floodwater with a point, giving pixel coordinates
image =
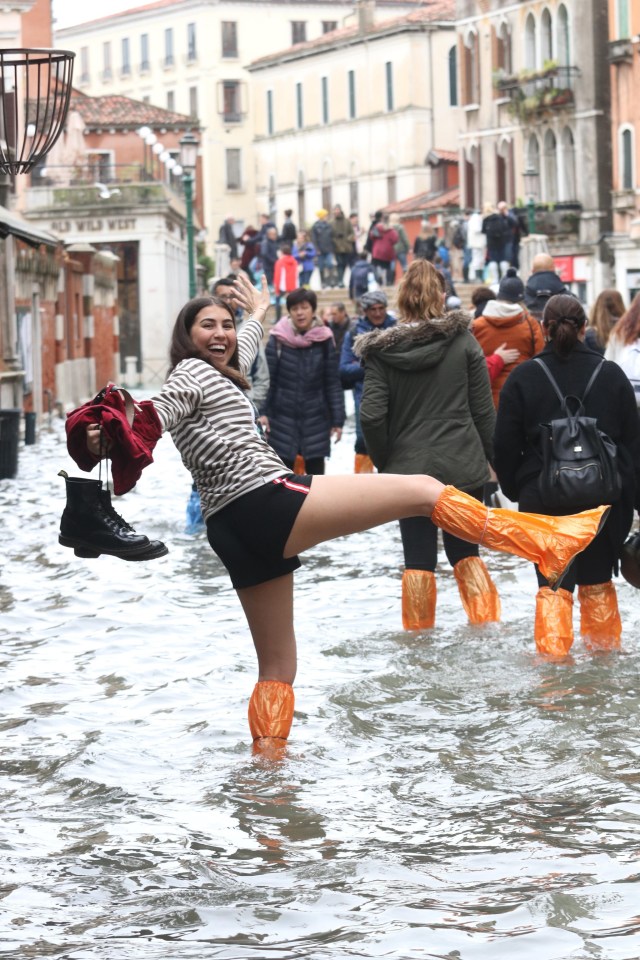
(444, 795)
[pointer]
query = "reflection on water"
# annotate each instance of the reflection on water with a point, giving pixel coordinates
(445, 795)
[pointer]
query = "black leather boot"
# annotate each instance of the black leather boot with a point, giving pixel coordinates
(155, 549)
(88, 528)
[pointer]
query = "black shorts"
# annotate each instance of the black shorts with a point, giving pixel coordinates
(250, 534)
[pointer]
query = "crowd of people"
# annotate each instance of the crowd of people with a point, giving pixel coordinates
(450, 402)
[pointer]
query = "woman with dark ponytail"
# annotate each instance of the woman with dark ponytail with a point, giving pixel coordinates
(528, 400)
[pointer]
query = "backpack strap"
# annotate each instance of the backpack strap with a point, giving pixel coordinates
(555, 386)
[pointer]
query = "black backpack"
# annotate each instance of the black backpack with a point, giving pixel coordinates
(579, 461)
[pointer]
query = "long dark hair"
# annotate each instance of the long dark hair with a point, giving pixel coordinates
(563, 319)
(183, 348)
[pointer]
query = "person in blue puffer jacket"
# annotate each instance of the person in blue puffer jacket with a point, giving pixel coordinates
(304, 408)
(375, 316)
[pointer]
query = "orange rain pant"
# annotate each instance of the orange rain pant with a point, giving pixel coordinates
(553, 629)
(363, 464)
(478, 592)
(418, 599)
(600, 624)
(271, 710)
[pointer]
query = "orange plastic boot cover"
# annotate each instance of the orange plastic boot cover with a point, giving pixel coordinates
(299, 466)
(271, 709)
(418, 599)
(553, 631)
(478, 592)
(600, 624)
(363, 464)
(551, 542)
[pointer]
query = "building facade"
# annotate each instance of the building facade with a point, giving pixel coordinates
(191, 56)
(624, 60)
(535, 105)
(352, 117)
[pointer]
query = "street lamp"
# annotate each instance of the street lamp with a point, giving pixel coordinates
(188, 158)
(531, 178)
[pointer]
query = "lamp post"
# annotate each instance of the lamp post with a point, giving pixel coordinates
(531, 177)
(188, 157)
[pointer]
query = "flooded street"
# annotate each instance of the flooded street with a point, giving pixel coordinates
(444, 795)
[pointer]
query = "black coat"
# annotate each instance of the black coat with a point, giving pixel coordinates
(305, 398)
(527, 399)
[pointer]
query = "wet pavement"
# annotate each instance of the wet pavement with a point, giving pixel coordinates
(446, 794)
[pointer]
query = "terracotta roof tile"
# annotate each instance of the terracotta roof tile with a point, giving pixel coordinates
(118, 111)
(425, 201)
(431, 10)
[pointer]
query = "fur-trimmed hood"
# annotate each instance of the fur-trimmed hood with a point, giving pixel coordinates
(413, 346)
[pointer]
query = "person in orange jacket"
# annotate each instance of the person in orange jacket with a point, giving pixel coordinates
(506, 322)
(285, 275)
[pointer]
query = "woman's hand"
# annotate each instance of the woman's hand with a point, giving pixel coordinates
(252, 300)
(96, 444)
(264, 423)
(507, 354)
(336, 433)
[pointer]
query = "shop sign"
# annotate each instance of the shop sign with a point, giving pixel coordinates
(94, 225)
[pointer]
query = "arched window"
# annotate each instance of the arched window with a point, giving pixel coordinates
(530, 43)
(504, 171)
(550, 167)
(503, 48)
(563, 46)
(472, 68)
(567, 165)
(626, 147)
(546, 36)
(532, 163)
(453, 77)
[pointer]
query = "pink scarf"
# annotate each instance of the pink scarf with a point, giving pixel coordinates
(285, 331)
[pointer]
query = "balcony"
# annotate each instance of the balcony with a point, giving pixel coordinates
(535, 94)
(98, 186)
(623, 200)
(555, 219)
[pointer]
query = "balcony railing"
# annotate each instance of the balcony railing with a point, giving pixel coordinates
(99, 185)
(535, 93)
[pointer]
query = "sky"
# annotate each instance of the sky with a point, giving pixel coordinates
(69, 12)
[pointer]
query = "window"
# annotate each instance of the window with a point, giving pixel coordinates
(388, 74)
(550, 167)
(84, 64)
(325, 100)
(503, 48)
(352, 94)
(562, 42)
(626, 159)
(353, 196)
(171, 100)
(229, 38)
(232, 157)
(546, 36)
(471, 69)
(168, 47)
(302, 206)
(453, 77)
(106, 61)
(100, 165)
(192, 48)
(568, 166)
(392, 188)
(299, 107)
(270, 127)
(329, 25)
(533, 156)
(144, 51)
(623, 24)
(193, 102)
(298, 31)
(231, 112)
(126, 59)
(530, 55)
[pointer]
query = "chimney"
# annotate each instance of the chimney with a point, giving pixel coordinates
(365, 10)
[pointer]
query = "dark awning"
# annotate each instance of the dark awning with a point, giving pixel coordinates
(12, 223)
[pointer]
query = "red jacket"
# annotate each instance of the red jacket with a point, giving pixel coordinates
(285, 274)
(132, 446)
(384, 243)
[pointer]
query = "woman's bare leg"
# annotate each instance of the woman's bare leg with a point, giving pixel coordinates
(268, 608)
(338, 505)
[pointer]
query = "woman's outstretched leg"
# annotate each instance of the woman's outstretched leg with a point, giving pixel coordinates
(268, 608)
(337, 506)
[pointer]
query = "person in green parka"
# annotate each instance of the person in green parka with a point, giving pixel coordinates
(427, 408)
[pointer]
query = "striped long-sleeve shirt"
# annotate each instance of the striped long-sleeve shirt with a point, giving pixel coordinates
(212, 424)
